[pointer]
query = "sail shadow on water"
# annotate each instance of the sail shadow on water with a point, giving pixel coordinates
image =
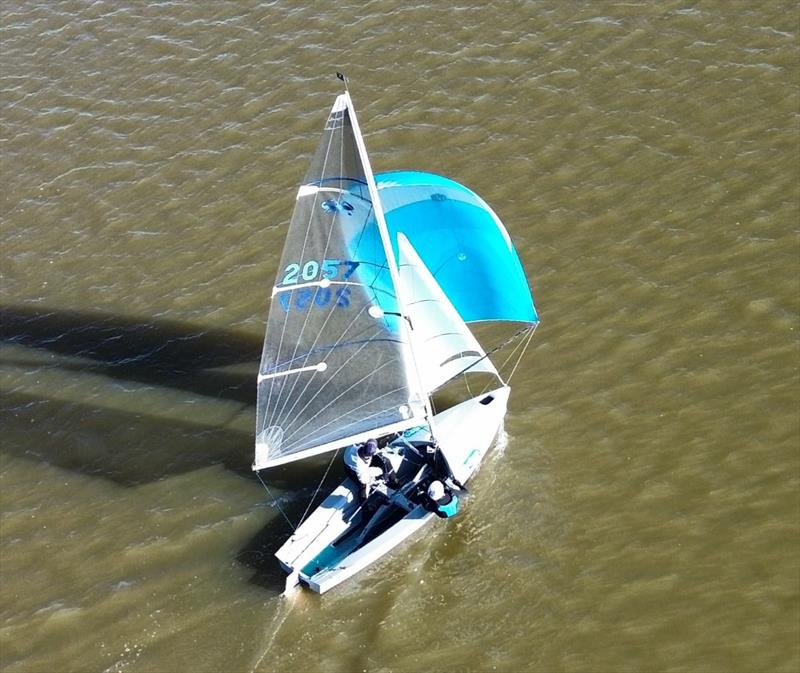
(125, 399)
(293, 491)
(168, 353)
(129, 449)
(126, 448)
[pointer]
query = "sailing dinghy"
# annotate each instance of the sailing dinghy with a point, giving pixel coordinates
(378, 281)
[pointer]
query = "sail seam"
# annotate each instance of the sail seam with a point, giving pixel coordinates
(344, 392)
(283, 414)
(315, 283)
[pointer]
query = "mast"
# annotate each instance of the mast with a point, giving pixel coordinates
(387, 245)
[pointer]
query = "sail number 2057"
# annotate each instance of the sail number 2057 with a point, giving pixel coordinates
(332, 269)
(306, 297)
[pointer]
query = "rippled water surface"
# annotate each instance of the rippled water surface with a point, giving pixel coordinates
(643, 511)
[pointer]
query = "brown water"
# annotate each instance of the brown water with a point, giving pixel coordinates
(643, 513)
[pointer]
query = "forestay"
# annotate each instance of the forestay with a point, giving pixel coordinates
(336, 365)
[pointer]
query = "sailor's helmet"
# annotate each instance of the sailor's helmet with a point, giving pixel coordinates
(369, 449)
(436, 490)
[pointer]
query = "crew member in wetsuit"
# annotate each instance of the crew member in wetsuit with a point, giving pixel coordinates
(441, 500)
(358, 464)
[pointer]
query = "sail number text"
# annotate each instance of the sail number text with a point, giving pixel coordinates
(313, 270)
(305, 297)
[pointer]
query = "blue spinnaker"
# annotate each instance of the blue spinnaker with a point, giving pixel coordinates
(462, 242)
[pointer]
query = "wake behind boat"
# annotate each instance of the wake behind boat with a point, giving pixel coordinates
(378, 280)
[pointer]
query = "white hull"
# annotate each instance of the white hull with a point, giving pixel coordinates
(336, 541)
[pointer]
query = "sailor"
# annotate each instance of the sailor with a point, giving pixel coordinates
(389, 475)
(358, 464)
(441, 500)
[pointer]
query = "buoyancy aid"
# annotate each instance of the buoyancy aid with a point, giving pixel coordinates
(450, 508)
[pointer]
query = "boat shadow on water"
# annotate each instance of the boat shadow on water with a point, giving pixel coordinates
(129, 400)
(164, 353)
(259, 553)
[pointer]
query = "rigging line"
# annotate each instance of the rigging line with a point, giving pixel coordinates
(520, 347)
(503, 367)
(494, 350)
(511, 355)
(275, 502)
(522, 353)
(319, 486)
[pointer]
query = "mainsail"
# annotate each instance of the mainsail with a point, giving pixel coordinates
(337, 366)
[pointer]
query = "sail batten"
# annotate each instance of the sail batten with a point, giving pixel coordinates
(319, 367)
